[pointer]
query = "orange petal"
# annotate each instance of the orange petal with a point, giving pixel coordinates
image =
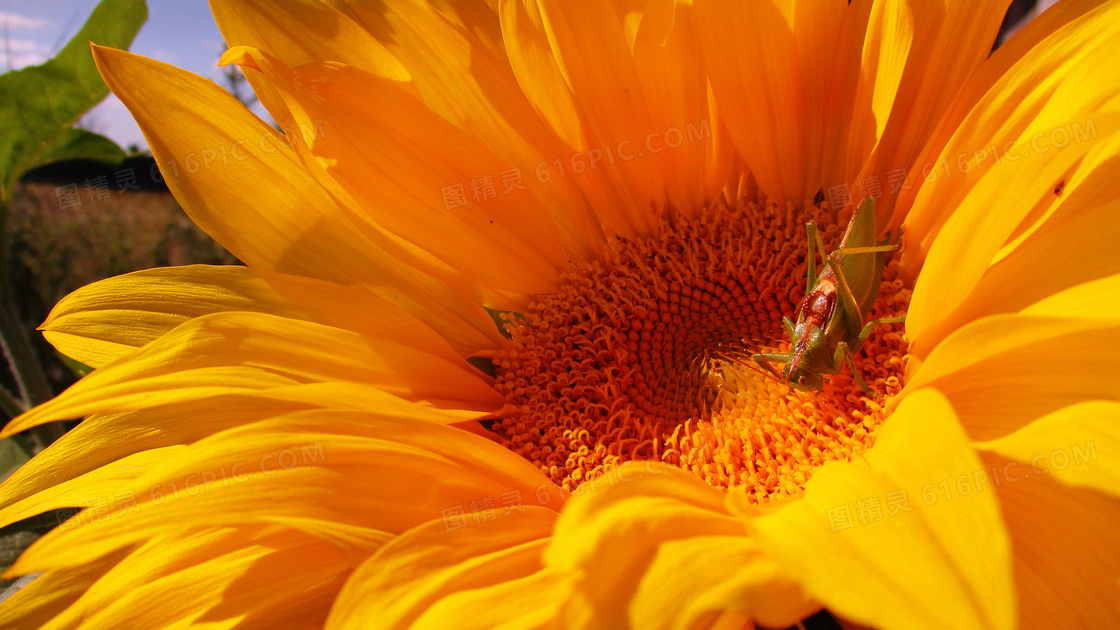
(427, 182)
(221, 162)
(752, 57)
(453, 51)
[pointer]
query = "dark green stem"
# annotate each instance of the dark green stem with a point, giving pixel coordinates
(10, 404)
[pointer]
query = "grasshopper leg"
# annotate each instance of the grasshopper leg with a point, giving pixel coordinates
(848, 251)
(843, 353)
(811, 259)
(788, 323)
(869, 326)
(847, 300)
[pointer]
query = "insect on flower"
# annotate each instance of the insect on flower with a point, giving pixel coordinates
(832, 318)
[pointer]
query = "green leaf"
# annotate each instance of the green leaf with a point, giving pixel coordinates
(79, 143)
(79, 369)
(40, 105)
(12, 456)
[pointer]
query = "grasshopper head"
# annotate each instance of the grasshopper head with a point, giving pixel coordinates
(802, 379)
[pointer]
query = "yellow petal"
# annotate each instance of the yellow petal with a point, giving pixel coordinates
(101, 440)
(944, 563)
(609, 533)
(76, 492)
(1049, 39)
(37, 603)
(1035, 110)
(951, 39)
(490, 546)
(593, 50)
(185, 570)
(703, 576)
(236, 352)
(221, 162)
(694, 159)
(985, 367)
(874, 87)
(1067, 558)
(1068, 244)
(311, 469)
(404, 184)
(106, 320)
(537, 70)
(542, 80)
(1064, 445)
(528, 602)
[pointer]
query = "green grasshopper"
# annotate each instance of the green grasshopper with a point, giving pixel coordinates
(832, 319)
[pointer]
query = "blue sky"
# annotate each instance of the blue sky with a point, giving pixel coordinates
(179, 32)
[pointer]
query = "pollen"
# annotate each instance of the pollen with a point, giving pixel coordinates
(645, 353)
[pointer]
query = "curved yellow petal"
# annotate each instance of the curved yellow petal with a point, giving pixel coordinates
(309, 469)
(873, 85)
(694, 157)
(222, 162)
(528, 602)
(251, 568)
(985, 367)
(1067, 558)
(404, 184)
(879, 543)
(593, 51)
(537, 71)
(101, 482)
(1064, 445)
(101, 440)
(609, 534)
(698, 578)
(237, 352)
(489, 546)
(33, 606)
(106, 320)
(1070, 243)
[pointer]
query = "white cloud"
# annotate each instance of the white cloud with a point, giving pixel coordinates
(16, 53)
(17, 21)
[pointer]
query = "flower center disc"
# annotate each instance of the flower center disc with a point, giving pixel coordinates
(646, 354)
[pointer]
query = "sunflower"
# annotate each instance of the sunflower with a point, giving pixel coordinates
(489, 362)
